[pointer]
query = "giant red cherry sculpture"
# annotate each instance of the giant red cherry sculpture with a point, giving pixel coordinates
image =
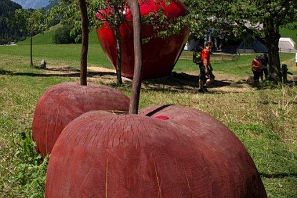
(62, 103)
(159, 54)
(101, 154)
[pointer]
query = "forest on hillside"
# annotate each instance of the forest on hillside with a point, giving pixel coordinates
(8, 26)
(17, 23)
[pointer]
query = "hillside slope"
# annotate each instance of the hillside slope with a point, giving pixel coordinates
(47, 37)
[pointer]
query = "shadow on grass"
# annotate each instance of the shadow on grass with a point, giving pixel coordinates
(272, 84)
(176, 82)
(278, 175)
(180, 82)
(73, 74)
(62, 69)
(5, 72)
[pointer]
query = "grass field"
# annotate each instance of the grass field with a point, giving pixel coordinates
(44, 48)
(264, 119)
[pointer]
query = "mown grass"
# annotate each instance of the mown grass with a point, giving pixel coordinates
(63, 54)
(265, 120)
(44, 48)
(67, 54)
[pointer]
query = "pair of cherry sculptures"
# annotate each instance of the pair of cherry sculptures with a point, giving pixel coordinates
(165, 151)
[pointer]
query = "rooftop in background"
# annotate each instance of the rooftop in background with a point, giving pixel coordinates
(286, 45)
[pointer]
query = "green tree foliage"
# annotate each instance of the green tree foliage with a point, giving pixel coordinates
(260, 18)
(9, 28)
(8, 7)
(67, 13)
(36, 21)
(270, 14)
(63, 35)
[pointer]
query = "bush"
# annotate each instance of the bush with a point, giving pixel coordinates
(62, 35)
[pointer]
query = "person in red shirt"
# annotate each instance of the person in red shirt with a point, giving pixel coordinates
(205, 68)
(257, 68)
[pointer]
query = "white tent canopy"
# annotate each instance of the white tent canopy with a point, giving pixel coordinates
(286, 45)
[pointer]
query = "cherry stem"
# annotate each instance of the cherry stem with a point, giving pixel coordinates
(136, 86)
(85, 42)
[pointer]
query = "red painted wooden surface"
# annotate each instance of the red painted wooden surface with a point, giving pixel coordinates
(190, 154)
(159, 54)
(61, 103)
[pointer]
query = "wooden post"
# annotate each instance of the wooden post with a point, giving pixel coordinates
(85, 42)
(134, 101)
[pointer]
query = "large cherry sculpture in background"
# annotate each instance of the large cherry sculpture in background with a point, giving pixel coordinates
(159, 54)
(62, 103)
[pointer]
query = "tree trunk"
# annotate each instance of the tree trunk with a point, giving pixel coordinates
(274, 60)
(31, 51)
(134, 101)
(85, 42)
(119, 55)
(272, 37)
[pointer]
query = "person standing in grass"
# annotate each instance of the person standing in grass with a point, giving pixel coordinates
(205, 68)
(257, 69)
